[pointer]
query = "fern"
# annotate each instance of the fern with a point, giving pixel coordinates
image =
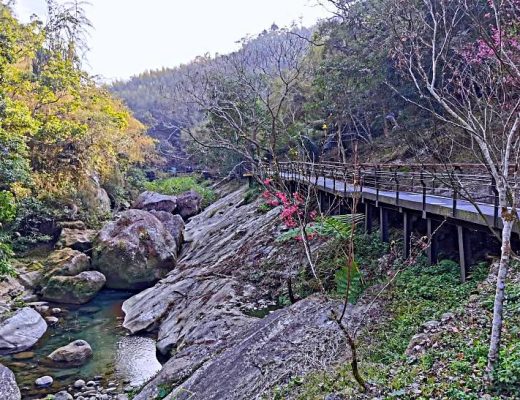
(337, 227)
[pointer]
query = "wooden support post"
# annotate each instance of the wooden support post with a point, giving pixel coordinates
(383, 222)
(431, 252)
(407, 231)
(462, 253)
(368, 218)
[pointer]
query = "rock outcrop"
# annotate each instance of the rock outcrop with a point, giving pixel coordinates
(76, 353)
(134, 251)
(8, 388)
(21, 330)
(78, 289)
(155, 201)
(289, 342)
(229, 263)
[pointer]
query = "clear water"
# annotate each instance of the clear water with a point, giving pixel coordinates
(117, 357)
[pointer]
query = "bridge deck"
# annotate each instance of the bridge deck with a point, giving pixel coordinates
(433, 204)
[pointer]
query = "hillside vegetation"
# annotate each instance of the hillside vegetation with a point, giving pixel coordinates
(62, 136)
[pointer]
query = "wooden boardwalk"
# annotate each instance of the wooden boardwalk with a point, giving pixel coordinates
(413, 192)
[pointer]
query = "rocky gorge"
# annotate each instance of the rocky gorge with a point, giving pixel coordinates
(206, 290)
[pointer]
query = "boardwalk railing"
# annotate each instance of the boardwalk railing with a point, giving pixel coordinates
(468, 182)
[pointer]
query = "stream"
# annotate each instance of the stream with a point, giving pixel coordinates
(118, 357)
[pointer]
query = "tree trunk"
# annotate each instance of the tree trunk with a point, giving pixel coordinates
(498, 308)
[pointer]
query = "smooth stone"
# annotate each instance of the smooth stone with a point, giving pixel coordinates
(44, 381)
(56, 310)
(25, 355)
(75, 353)
(21, 331)
(91, 383)
(122, 397)
(52, 320)
(77, 289)
(63, 395)
(79, 384)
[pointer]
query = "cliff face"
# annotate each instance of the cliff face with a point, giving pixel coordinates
(230, 265)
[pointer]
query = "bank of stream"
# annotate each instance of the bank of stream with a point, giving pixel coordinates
(118, 358)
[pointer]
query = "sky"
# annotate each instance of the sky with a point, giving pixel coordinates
(131, 36)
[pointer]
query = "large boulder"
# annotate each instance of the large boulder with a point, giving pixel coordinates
(21, 330)
(134, 251)
(76, 239)
(173, 223)
(189, 204)
(155, 201)
(66, 262)
(76, 353)
(8, 388)
(78, 289)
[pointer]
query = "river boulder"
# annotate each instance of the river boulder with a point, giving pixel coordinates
(21, 330)
(74, 354)
(77, 239)
(134, 251)
(66, 262)
(78, 289)
(155, 201)
(8, 388)
(189, 204)
(173, 223)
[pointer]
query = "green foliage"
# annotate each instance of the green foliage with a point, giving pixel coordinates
(355, 287)
(419, 294)
(7, 206)
(252, 193)
(6, 253)
(181, 184)
(336, 227)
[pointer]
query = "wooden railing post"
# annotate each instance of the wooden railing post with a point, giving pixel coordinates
(423, 194)
(396, 188)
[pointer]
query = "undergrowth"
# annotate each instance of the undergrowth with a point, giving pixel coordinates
(181, 184)
(452, 368)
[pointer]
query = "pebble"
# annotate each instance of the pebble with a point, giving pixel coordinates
(91, 383)
(128, 389)
(56, 310)
(44, 381)
(122, 397)
(79, 384)
(52, 320)
(63, 395)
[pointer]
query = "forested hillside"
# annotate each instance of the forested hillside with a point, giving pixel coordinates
(286, 92)
(62, 136)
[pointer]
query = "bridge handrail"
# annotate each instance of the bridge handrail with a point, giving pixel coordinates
(448, 181)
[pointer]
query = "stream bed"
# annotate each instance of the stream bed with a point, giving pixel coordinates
(118, 357)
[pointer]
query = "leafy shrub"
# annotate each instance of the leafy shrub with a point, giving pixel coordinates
(6, 253)
(181, 184)
(7, 206)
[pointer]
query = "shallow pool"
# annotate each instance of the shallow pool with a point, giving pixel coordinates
(117, 357)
